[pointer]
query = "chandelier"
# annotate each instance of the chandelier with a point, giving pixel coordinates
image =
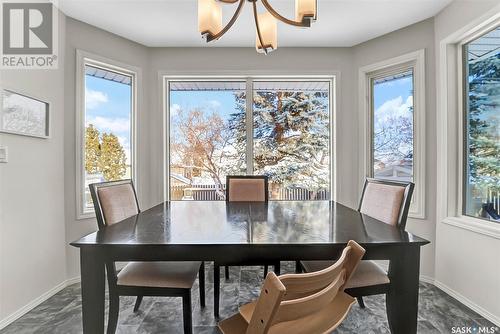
(210, 20)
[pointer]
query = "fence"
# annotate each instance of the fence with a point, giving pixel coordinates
(207, 192)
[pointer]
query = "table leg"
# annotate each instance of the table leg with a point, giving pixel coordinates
(402, 298)
(92, 274)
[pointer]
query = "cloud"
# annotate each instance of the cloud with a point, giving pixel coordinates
(94, 98)
(214, 104)
(113, 125)
(174, 109)
(394, 108)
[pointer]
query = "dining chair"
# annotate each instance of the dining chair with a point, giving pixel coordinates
(114, 202)
(300, 303)
(242, 188)
(389, 202)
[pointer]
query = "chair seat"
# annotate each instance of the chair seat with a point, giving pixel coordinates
(367, 273)
(323, 321)
(159, 274)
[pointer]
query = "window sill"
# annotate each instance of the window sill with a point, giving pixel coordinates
(490, 229)
(85, 215)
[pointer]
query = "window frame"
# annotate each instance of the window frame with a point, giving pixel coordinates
(249, 79)
(463, 121)
(416, 62)
(84, 58)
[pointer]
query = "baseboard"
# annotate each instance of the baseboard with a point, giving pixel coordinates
(467, 302)
(37, 301)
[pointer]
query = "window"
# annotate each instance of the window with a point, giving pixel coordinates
(288, 139)
(393, 103)
(481, 195)
(106, 127)
(392, 126)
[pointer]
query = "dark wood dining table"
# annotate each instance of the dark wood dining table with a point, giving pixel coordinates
(251, 232)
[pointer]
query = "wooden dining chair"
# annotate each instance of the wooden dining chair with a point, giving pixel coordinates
(242, 188)
(310, 303)
(114, 202)
(389, 202)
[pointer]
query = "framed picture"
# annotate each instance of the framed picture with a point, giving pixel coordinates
(23, 115)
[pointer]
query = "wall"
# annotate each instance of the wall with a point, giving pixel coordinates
(467, 262)
(96, 41)
(406, 40)
(32, 250)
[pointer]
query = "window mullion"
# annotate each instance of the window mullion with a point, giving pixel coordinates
(249, 125)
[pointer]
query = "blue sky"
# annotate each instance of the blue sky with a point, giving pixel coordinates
(221, 102)
(391, 90)
(108, 107)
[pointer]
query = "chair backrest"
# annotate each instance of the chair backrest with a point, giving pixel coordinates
(247, 188)
(294, 296)
(114, 201)
(387, 201)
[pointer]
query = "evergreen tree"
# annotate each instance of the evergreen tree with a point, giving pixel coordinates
(112, 162)
(291, 137)
(92, 149)
(104, 154)
(484, 123)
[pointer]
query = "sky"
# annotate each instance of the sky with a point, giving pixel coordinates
(221, 102)
(108, 108)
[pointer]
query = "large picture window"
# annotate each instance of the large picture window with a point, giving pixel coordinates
(106, 123)
(288, 138)
(481, 196)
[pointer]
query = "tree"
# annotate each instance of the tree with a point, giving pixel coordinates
(483, 119)
(104, 154)
(203, 140)
(291, 137)
(112, 162)
(92, 149)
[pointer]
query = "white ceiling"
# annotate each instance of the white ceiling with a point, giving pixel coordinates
(173, 23)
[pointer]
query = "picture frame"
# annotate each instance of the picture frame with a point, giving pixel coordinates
(25, 115)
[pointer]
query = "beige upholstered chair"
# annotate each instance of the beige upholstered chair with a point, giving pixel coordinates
(114, 202)
(242, 188)
(389, 202)
(310, 303)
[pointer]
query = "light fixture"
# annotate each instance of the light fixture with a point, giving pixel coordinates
(210, 20)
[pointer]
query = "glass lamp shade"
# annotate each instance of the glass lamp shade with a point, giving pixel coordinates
(269, 32)
(209, 17)
(305, 8)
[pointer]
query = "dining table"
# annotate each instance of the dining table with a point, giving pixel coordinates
(256, 232)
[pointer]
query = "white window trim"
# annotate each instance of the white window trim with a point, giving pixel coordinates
(83, 58)
(249, 77)
(450, 128)
(415, 60)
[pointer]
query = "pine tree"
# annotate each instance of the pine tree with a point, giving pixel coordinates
(92, 149)
(483, 119)
(291, 137)
(112, 162)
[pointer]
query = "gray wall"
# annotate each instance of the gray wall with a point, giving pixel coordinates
(32, 239)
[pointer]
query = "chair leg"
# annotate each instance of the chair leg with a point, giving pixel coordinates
(216, 290)
(186, 311)
(226, 272)
(277, 268)
(114, 308)
(361, 302)
(201, 284)
(137, 303)
(298, 267)
(266, 269)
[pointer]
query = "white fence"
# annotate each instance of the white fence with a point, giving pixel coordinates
(208, 193)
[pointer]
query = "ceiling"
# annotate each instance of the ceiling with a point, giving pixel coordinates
(173, 23)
